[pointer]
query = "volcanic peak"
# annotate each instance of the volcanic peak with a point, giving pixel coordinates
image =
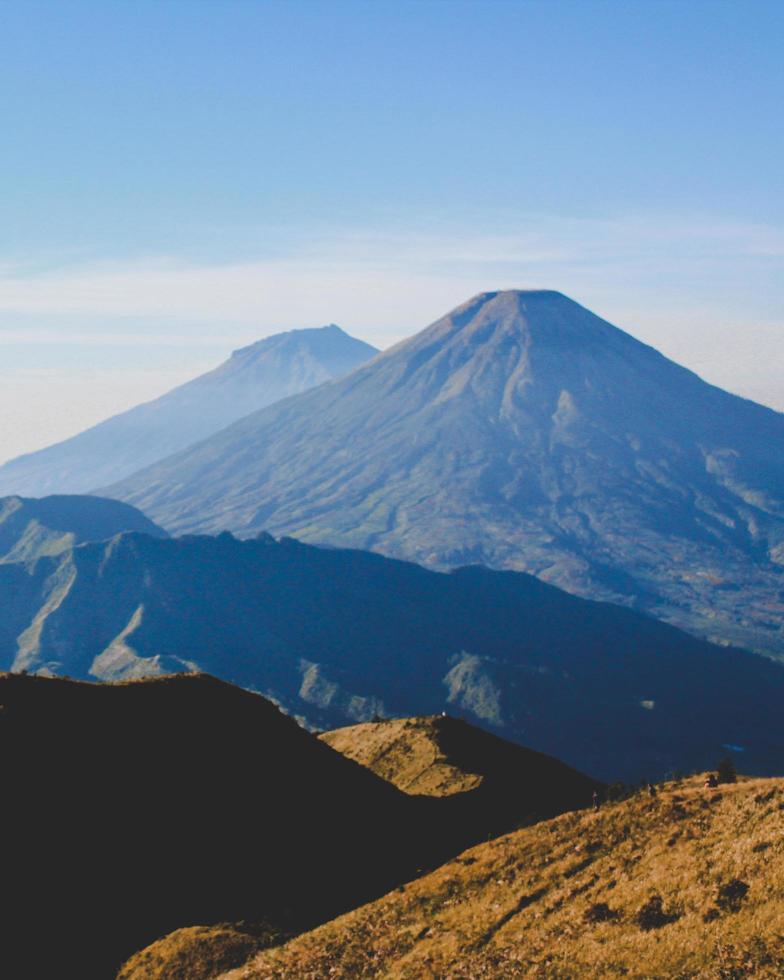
(542, 308)
(328, 333)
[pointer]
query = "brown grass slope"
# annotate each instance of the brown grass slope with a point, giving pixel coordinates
(687, 885)
(493, 785)
(409, 752)
(199, 952)
(130, 810)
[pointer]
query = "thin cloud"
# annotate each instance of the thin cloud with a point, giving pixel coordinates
(707, 293)
(385, 279)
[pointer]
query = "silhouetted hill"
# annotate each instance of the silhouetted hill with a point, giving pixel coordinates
(131, 810)
(282, 365)
(519, 431)
(340, 636)
(689, 885)
(51, 525)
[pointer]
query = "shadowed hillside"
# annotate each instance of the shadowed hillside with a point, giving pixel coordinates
(51, 525)
(131, 810)
(492, 783)
(687, 885)
(340, 636)
(518, 431)
(274, 368)
(491, 786)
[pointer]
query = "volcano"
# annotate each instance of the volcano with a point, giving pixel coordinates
(520, 431)
(254, 376)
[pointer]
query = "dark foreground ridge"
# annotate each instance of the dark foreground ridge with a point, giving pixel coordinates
(133, 809)
(138, 808)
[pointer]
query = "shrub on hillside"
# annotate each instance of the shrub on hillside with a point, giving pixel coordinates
(600, 912)
(652, 915)
(727, 773)
(731, 894)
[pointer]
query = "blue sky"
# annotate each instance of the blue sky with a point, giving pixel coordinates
(180, 178)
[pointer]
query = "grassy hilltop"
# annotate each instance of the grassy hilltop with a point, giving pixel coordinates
(489, 784)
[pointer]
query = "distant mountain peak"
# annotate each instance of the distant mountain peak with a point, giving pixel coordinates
(515, 300)
(542, 315)
(253, 377)
(522, 431)
(522, 294)
(298, 334)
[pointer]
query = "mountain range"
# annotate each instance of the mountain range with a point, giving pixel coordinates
(338, 637)
(520, 431)
(282, 365)
(566, 463)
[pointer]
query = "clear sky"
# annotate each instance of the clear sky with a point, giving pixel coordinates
(181, 178)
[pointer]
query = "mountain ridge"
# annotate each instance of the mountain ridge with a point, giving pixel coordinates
(232, 783)
(303, 624)
(35, 527)
(495, 784)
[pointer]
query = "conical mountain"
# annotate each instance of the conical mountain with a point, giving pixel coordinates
(520, 431)
(282, 365)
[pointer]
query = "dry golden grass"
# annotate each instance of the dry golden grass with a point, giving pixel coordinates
(197, 952)
(563, 898)
(406, 752)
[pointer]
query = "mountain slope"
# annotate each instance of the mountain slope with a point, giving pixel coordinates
(130, 810)
(495, 785)
(51, 525)
(509, 786)
(199, 952)
(689, 885)
(520, 431)
(337, 636)
(282, 365)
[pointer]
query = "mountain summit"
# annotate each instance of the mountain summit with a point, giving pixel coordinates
(520, 431)
(282, 365)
